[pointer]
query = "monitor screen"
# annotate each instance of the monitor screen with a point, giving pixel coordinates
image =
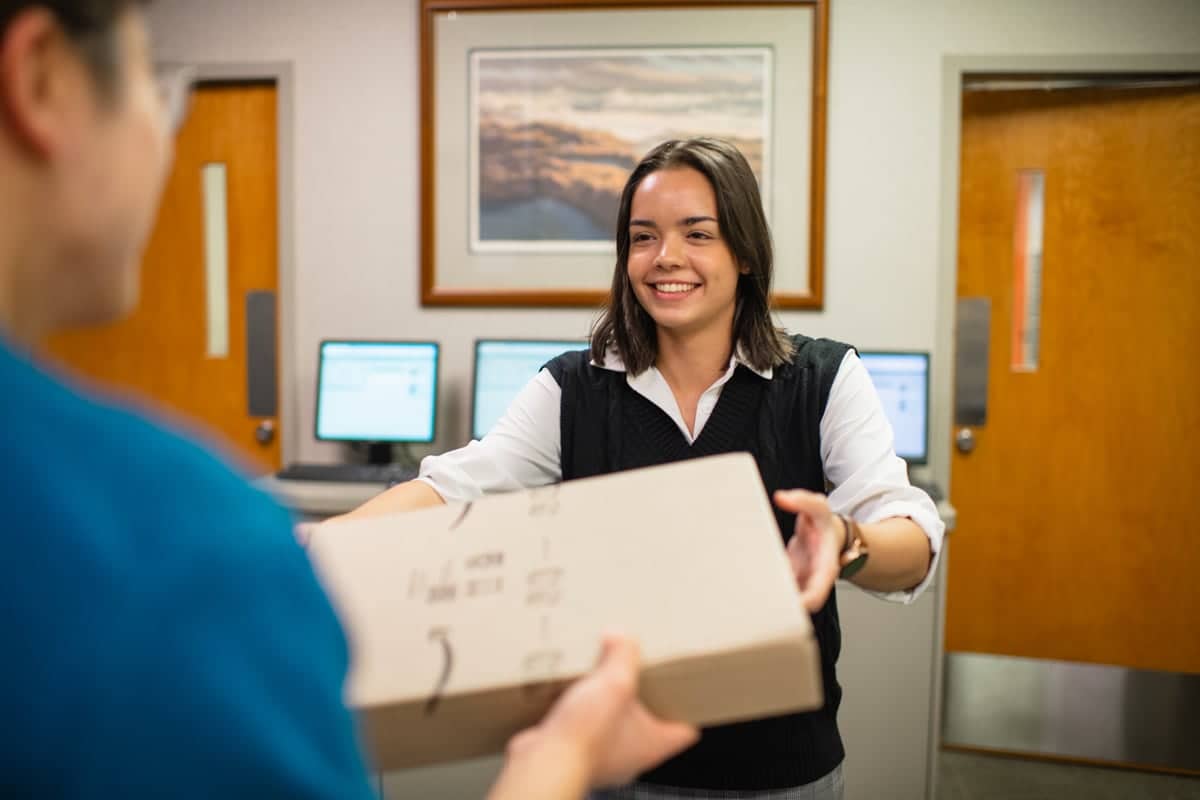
(502, 368)
(902, 380)
(377, 391)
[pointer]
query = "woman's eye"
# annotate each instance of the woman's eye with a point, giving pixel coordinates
(641, 237)
(700, 235)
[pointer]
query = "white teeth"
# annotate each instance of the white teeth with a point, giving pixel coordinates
(674, 288)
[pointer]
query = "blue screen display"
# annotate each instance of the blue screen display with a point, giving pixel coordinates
(902, 381)
(502, 368)
(377, 391)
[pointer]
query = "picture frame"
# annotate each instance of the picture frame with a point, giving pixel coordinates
(533, 113)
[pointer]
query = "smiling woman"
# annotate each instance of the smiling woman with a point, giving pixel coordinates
(709, 184)
(686, 362)
(681, 269)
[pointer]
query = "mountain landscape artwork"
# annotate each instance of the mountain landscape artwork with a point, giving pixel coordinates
(555, 133)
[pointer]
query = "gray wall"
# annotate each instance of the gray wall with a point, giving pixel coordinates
(356, 140)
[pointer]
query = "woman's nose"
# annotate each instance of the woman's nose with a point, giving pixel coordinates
(670, 253)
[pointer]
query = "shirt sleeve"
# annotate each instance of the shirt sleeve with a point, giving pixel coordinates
(870, 482)
(522, 451)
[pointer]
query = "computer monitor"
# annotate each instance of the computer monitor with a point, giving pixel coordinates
(902, 380)
(502, 368)
(376, 392)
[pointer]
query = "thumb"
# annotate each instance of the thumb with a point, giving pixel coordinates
(619, 659)
(800, 501)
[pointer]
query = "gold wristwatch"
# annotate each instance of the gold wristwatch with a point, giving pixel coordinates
(854, 551)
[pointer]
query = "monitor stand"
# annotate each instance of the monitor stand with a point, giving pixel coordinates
(384, 453)
(379, 452)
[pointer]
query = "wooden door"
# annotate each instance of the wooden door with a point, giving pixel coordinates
(164, 353)
(1077, 536)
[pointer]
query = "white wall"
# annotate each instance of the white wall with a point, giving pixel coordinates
(356, 156)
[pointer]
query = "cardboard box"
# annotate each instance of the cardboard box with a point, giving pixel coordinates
(465, 621)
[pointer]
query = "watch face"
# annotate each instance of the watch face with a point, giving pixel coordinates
(853, 567)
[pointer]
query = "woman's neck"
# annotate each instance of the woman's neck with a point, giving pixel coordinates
(690, 363)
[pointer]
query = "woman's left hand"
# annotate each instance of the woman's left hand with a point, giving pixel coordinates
(815, 547)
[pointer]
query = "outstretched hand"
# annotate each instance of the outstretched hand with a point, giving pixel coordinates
(599, 728)
(815, 548)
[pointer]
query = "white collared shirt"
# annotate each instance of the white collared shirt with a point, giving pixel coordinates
(523, 449)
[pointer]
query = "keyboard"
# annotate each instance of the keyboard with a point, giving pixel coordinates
(387, 474)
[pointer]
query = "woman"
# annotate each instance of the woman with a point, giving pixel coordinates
(686, 361)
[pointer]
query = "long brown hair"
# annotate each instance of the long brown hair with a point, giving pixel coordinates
(628, 327)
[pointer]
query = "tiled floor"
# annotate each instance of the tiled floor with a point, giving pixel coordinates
(965, 776)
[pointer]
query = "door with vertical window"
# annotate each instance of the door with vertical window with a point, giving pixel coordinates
(1076, 476)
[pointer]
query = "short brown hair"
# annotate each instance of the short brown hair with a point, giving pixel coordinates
(90, 24)
(628, 327)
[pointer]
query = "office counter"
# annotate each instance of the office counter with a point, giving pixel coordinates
(313, 500)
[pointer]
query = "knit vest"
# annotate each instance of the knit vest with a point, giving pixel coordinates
(608, 427)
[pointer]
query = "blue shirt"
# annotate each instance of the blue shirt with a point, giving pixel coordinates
(163, 634)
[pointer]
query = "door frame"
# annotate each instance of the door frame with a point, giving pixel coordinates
(956, 69)
(280, 73)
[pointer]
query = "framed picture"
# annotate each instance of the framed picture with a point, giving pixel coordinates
(534, 113)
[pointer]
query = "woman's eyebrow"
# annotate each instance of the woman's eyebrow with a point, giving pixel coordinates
(685, 222)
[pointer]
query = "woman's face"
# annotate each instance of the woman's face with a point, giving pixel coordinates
(681, 270)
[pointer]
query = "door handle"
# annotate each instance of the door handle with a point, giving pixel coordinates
(262, 394)
(972, 329)
(264, 432)
(964, 440)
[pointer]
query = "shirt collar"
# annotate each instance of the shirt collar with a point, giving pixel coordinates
(613, 362)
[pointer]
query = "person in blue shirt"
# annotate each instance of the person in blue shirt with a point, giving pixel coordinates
(164, 635)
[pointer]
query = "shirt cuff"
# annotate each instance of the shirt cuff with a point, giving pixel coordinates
(452, 483)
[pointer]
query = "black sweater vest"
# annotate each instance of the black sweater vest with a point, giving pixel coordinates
(608, 427)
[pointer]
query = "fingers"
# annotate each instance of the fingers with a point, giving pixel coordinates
(677, 736)
(800, 501)
(658, 739)
(666, 739)
(618, 663)
(810, 551)
(814, 597)
(814, 561)
(303, 531)
(822, 573)
(799, 551)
